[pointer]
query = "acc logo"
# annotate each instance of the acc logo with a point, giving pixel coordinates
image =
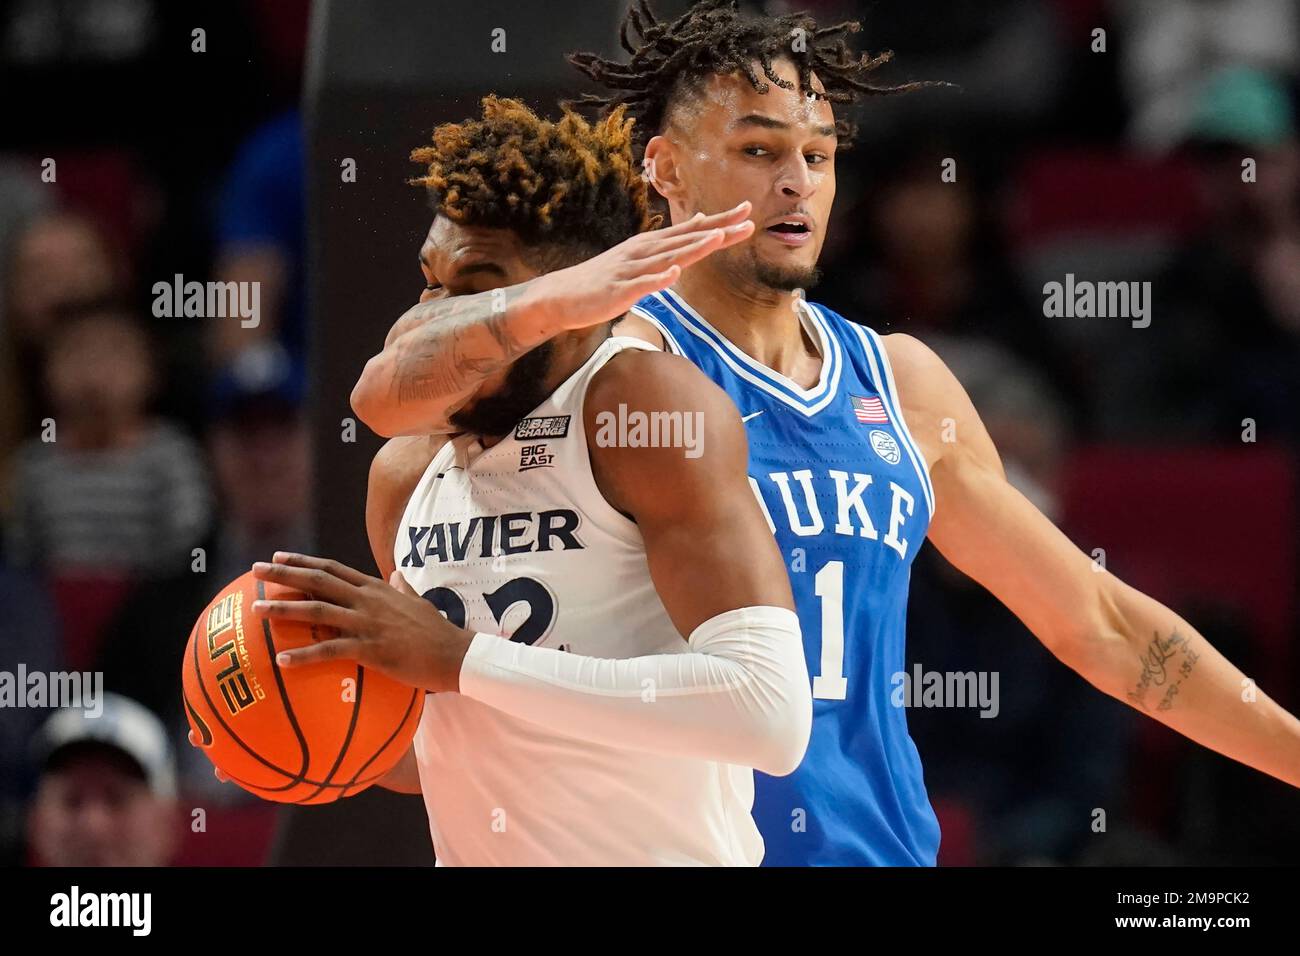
(884, 445)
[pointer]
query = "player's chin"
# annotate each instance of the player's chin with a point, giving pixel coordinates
(777, 251)
(787, 274)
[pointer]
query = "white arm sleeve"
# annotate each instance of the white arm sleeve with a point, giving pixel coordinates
(740, 695)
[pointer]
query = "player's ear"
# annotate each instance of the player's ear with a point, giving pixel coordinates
(660, 168)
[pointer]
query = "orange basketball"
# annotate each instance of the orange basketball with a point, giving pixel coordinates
(309, 734)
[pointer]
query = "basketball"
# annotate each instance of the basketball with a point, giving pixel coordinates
(303, 735)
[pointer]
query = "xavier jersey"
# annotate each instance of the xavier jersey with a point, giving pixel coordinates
(848, 496)
(517, 540)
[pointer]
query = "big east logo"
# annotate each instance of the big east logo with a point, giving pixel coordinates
(535, 456)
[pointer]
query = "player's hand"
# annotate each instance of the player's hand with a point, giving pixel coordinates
(606, 286)
(386, 626)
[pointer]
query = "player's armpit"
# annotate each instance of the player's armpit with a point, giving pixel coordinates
(982, 524)
(395, 471)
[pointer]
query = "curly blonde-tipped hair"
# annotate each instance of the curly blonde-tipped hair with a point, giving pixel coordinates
(569, 189)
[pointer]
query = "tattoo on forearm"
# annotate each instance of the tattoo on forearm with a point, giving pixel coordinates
(460, 342)
(1160, 670)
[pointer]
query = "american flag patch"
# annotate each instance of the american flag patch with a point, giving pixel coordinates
(869, 411)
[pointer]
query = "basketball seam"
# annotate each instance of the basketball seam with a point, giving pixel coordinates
(284, 694)
(415, 695)
(347, 738)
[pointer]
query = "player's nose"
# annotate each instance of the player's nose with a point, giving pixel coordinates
(795, 180)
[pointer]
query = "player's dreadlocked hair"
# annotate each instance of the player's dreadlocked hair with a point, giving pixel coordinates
(568, 189)
(714, 37)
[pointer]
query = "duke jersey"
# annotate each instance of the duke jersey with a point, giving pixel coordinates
(517, 540)
(848, 496)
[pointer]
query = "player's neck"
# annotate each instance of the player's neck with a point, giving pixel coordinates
(763, 323)
(572, 350)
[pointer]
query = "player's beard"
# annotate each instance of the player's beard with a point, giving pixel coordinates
(750, 267)
(524, 389)
(786, 279)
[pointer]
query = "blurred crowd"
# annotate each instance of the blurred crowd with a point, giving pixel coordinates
(144, 461)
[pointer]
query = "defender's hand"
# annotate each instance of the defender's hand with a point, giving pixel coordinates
(606, 286)
(386, 626)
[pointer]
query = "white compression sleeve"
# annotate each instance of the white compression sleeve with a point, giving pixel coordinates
(740, 695)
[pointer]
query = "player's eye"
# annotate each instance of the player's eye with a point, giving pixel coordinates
(816, 159)
(754, 150)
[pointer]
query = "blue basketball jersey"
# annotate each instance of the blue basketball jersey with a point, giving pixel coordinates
(847, 494)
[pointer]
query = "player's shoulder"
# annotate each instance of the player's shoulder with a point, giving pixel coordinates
(920, 375)
(909, 355)
(637, 326)
(654, 421)
(652, 380)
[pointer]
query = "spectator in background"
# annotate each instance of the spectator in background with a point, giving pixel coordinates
(1170, 47)
(1246, 270)
(261, 238)
(116, 490)
(106, 793)
(933, 265)
(54, 262)
(58, 261)
(1226, 312)
(261, 458)
(22, 198)
(258, 443)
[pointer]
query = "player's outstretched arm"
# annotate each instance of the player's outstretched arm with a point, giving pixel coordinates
(441, 351)
(1122, 641)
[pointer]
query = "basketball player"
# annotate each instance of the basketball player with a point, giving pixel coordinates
(860, 444)
(619, 647)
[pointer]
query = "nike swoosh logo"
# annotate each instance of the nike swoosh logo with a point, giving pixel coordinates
(745, 418)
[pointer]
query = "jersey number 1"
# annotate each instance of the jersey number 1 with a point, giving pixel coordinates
(831, 684)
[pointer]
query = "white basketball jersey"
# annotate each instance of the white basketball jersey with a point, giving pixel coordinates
(517, 540)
